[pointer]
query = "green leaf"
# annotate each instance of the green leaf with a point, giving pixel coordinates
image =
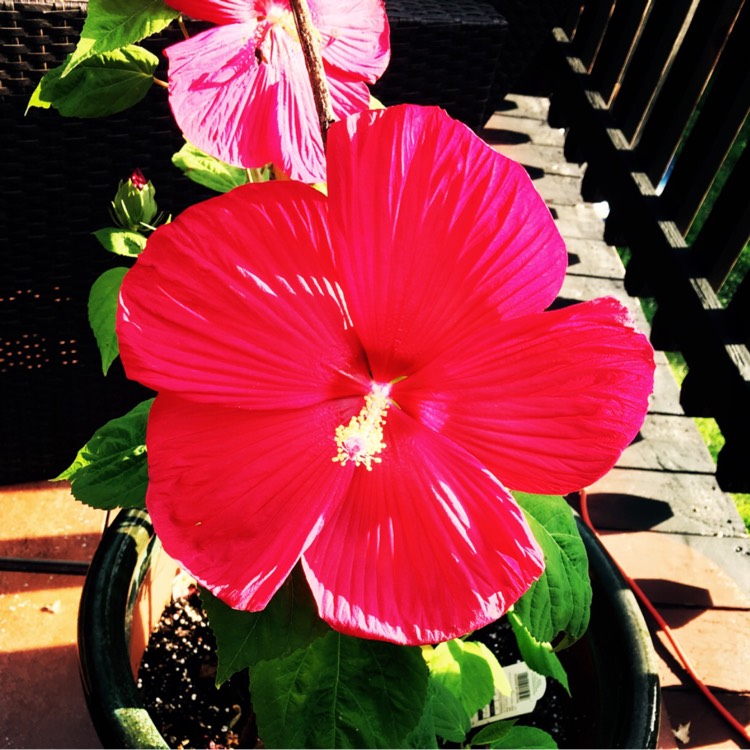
(497, 730)
(111, 470)
(113, 24)
(538, 656)
(103, 301)
(102, 85)
(340, 691)
(560, 601)
(207, 170)
(449, 718)
(524, 738)
(290, 621)
(121, 241)
(469, 670)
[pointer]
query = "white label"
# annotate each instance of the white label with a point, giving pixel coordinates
(527, 687)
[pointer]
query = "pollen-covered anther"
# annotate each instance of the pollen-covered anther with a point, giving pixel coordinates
(361, 440)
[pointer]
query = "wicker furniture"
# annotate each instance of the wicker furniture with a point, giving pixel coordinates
(443, 52)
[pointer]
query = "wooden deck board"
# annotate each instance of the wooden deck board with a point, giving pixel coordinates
(665, 520)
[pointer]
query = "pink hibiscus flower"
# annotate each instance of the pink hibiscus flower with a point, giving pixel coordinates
(240, 91)
(353, 381)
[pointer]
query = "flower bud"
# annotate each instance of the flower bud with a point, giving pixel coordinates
(134, 204)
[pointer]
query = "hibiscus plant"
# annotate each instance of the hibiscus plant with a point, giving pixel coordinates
(366, 413)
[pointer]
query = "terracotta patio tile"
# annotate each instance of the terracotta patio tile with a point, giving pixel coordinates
(715, 642)
(673, 569)
(41, 703)
(43, 520)
(707, 729)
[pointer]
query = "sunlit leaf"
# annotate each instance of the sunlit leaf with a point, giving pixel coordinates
(121, 241)
(113, 24)
(101, 85)
(111, 470)
(560, 600)
(538, 656)
(207, 170)
(469, 670)
(102, 309)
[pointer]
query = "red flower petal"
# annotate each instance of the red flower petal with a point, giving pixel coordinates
(216, 11)
(236, 496)
(425, 547)
(432, 229)
(234, 302)
(547, 402)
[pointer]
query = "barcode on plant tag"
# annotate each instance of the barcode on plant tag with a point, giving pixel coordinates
(523, 686)
(527, 687)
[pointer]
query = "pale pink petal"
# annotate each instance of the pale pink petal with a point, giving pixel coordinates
(236, 496)
(215, 11)
(427, 546)
(234, 302)
(355, 36)
(247, 110)
(347, 97)
(432, 229)
(547, 402)
(296, 144)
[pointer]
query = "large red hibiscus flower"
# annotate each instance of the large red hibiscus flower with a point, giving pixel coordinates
(240, 91)
(353, 381)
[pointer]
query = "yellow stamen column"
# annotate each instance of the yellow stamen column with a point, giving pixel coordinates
(362, 439)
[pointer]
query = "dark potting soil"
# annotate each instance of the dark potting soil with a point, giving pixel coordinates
(177, 676)
(177, 683)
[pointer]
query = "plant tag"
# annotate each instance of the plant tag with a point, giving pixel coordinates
(527, 687)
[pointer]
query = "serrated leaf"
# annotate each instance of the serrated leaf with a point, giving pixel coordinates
(497, 730)
(121, 241)
(340, 691)
(290, 621)
(102, 309)
(208, 171)
(525, 738)
(111, 470)
(113, 24)
(102, 85)
(560, 600)
(36, 96)
(469, 670)
(449, 718)
(538, 656)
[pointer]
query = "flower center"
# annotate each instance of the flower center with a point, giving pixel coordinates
(362, 439)
(275, 16)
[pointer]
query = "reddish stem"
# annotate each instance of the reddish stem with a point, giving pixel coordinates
(314, 64)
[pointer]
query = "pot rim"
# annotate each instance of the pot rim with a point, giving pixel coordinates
(122, 561)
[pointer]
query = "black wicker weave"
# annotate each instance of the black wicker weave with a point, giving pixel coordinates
(443, 52)
(60, 174)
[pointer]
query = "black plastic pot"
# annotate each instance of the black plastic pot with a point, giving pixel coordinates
(612, 669)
